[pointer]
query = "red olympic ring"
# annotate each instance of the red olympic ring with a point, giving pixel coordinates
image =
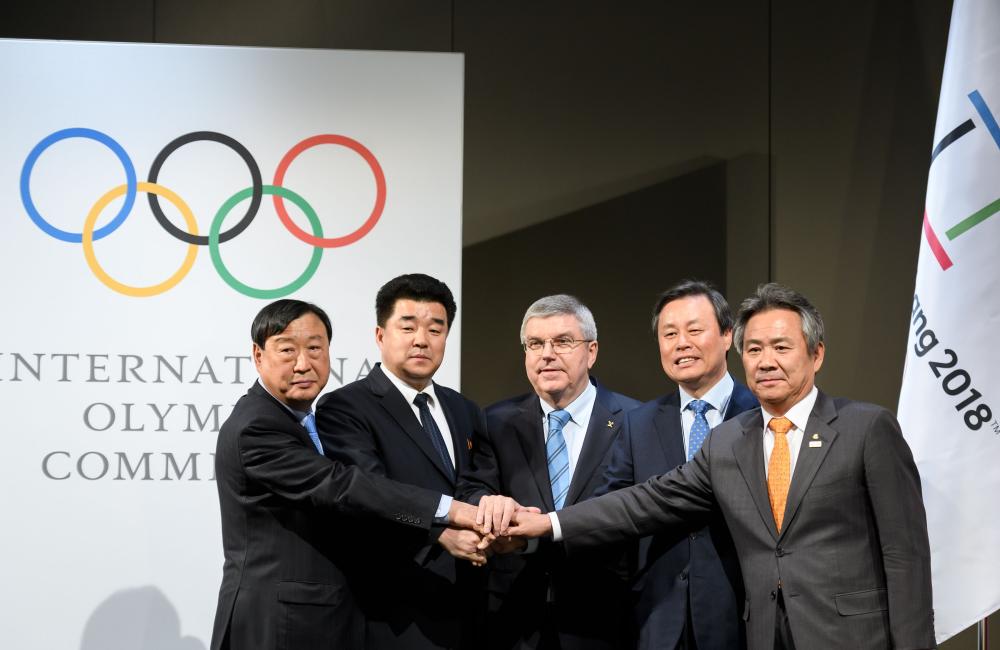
(360, 149)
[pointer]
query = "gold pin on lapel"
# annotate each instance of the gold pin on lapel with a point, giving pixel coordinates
(468, 441)
(611, 425)
(815, 442)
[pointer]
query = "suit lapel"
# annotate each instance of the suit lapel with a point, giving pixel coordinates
(392, 401)
(810, 457)
(749, 453)
(459, 436)
(605, 421)
(669, 433)
(528, 428)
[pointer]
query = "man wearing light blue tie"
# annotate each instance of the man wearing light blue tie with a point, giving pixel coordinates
(548, 449)
(687, 588)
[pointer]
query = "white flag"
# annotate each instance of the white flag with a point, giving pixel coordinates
(950, 399)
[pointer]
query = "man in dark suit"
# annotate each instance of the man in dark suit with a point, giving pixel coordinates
(687, 588)
(412, 592)
(821, 496)
(549, 449)
(283, 584)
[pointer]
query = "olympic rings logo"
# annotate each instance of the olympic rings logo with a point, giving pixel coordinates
(216, 235)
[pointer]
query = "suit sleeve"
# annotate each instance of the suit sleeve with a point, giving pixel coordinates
(894, 490)
(294, 471)
(662, 502)
(620, 472)
(348, 438)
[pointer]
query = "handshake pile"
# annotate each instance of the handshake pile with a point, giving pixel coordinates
(499, 525)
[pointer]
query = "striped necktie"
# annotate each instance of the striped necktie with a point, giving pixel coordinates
(558, 457)
(309, 422)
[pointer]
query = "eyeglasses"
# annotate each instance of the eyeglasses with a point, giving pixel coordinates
(560, 345)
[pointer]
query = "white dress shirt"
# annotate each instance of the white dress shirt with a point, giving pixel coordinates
(410, 393)
(574, 431)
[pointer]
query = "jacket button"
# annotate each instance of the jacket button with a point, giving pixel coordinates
(774, 594)
(694, 535)
(780, 552)
(684, 575)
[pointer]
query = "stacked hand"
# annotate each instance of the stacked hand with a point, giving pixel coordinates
(477, 533)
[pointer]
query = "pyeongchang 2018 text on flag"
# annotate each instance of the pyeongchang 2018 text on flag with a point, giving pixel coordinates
(950, 399)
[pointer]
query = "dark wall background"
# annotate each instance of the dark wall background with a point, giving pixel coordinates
(611, 149)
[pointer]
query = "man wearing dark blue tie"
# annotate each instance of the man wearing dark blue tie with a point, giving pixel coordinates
(548, 449)
(398, 423)
(687, 590)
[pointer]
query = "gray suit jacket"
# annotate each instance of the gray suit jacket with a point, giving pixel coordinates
(853, 558)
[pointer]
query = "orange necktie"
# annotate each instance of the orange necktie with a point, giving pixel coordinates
(779, 469)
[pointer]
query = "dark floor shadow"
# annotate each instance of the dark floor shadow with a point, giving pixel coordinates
(136, 619)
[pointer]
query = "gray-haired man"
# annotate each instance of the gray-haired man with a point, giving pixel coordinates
(548, 449)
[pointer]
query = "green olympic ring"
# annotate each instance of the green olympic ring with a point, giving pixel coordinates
(267, 294)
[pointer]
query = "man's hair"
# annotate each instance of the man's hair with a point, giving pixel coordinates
(413, 286)
(685, 288)
(559, 305)
(776, 296)
(275, 318)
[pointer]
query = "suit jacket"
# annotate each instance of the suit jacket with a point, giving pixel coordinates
(678, 568)
(582, 596)
(368, 423)
(852, 557)
(282, 582)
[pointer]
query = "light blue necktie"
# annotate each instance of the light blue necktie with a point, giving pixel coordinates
(700, 428)
(309, 422)
(558, 457)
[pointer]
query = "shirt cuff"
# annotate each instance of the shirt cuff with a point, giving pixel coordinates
(556, 529)
(441, 514)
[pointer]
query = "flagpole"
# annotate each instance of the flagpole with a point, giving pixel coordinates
(983, 634)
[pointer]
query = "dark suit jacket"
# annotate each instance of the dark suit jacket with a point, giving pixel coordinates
(678, 567)
(852, 557)
(282, 584)
(585, 592)
(412, 592)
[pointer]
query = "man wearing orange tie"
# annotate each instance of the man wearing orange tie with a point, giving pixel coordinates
(821, 496)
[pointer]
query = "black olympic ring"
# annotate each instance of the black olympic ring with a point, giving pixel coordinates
(257, 186)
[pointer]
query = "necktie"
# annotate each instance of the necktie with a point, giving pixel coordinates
(558, 457)
(699, 430)
(779, 469)
(309, 422)
(433, 432)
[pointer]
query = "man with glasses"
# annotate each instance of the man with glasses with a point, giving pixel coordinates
(548, 449)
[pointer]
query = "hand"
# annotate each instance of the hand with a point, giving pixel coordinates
(464, 545)
(503, 545)
(462, 515)
(495, 512)
(530, 524)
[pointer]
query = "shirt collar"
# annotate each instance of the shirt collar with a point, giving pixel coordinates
(583, 402)
(799, 413)
(718, 395)
(409, 392)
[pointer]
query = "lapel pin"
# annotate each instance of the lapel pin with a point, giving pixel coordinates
(815, 436)
(468, 441)
(611, 424)
(815, 442)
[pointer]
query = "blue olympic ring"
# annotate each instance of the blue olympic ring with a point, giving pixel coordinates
(91, 134)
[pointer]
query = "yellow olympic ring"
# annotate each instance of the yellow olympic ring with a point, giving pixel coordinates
(88, 241)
